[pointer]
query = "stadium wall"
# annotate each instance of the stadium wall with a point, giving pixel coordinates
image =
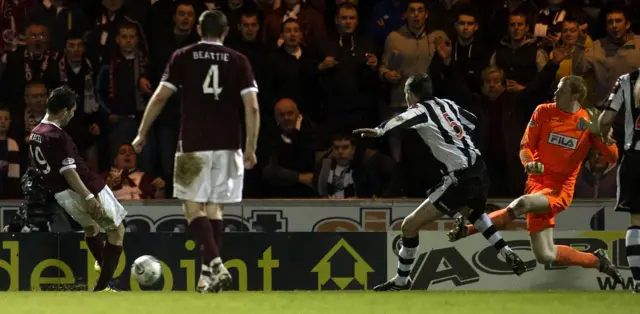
(335, 216)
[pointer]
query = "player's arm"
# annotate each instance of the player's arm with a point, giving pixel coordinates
(529, 142)
(73, 179)
(154, 108)
(609, 149)
(612, 106)
(251, 119)
(408, 119)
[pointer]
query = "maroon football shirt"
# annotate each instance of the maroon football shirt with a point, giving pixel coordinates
(52, 150)
(211, 79)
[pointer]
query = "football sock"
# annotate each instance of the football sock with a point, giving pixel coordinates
(111, 256)
(633, 252)
(500, 219)
(201, 229)
(406, 256)
(484, 225)
(569, 256)
(95, 247)
(218, 229)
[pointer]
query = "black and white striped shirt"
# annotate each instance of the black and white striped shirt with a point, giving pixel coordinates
(622, 98)
(445, 128)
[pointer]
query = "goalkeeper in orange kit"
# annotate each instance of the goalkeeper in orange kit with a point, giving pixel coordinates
(555, 143)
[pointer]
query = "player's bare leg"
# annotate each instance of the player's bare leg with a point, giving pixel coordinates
(531, 203)
(221, 276)
(633, 249)
(426, 213)
(110, 257)
(481, 221)
(200, 227)
(546, 252)
(94, 243)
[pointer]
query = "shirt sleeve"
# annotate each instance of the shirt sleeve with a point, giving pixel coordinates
(172, 76)
(616, 98)
(247, 81)
(411, 118)
(529, 143)
(59, 154)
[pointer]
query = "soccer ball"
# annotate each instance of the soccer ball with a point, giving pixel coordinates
(146, 270)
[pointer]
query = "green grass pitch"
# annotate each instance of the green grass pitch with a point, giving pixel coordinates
(418, 302)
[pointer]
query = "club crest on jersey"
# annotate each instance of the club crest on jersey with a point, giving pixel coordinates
(563, 140)
(68, 161)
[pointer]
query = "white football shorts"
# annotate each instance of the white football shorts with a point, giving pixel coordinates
(209, 176)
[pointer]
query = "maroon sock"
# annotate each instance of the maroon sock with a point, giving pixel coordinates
(218, 229)
(95, 246)
(201, 229)
(111, 256)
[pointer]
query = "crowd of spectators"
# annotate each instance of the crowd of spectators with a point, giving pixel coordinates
(323, 68)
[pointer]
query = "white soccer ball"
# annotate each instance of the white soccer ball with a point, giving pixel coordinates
(146, 270)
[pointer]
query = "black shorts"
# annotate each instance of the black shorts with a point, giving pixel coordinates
(464, 188)
(628, 196)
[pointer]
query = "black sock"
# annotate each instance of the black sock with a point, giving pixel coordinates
(111, 256)
(95, 247)
(218, 229)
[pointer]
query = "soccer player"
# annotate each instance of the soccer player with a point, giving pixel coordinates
(445, 128)
(214, 82)
(82, 193)
(626, 98)
(553, 147)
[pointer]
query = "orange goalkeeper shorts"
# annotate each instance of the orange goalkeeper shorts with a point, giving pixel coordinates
(559, 200)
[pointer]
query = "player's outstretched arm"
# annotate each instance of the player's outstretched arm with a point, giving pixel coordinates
(151, 113)
(413, 117)
(252, 122)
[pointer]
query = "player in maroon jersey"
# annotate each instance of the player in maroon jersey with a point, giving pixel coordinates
(82, 193)
(213, 81)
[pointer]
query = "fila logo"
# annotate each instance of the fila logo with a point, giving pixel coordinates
(563, 140)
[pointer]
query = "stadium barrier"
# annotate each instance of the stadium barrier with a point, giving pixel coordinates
(306, 261)
(335, 215)
(257, 261)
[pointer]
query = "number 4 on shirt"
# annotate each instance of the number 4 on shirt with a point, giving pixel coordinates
(211, 84)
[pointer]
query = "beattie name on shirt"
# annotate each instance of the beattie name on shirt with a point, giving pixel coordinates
(208, 55)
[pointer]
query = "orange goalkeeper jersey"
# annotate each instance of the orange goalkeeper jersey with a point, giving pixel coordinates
(554, 139)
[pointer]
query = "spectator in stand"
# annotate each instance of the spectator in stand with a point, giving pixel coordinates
(311, 23)
(550, 21)
(129, 183)
(408, 51)
(386, 17)
(597, 177)
(102, 42)
(289, 71)
(118, 91)
(32, 62)
(292, 148)
(35, 100)
(12, 24)
(77, 72)
(469, 53)
(61, 18)
(249, 45)
(518, 54)
(497, 13)
(162, 140)
(610, 57)
(571, 30)
(9, 159)
(233, 9)
(347, 67)
(506, 113)
(349, 170)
